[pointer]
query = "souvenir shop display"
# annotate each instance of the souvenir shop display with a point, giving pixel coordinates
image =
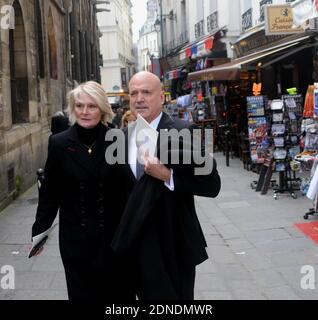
(257, 128)
(308, 159)
(286, 115)
(181, 108)
(312, 190)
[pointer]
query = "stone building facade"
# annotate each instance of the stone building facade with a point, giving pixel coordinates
(116, 45)
(47, 47)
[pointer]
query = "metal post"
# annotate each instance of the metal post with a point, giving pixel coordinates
(227, 148)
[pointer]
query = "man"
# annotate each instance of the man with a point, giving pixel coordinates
(59, 122)
(159, 230)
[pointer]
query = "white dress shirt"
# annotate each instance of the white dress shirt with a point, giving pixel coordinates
(132, 152)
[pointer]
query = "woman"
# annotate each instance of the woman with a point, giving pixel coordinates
(80, 184)
(127, 118)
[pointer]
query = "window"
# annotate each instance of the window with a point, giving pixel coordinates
(18, 68)
(52, 46)
(262, 8)
(38, 26)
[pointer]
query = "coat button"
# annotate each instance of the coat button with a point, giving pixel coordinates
(101, 210)
(82, 185)
(83, 222)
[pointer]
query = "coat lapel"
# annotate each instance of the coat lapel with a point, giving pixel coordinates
(128, 133)
(166, 123)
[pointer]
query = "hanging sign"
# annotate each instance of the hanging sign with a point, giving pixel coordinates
(279, 20)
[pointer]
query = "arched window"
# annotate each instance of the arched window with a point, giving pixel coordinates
(39, 36)
(52, 46)
(18, 68)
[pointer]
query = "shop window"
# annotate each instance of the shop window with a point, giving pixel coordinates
(18, 68)
(52, 46)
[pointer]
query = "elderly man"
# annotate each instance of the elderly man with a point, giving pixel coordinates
(159, 230)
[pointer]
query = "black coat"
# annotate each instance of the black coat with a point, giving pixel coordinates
(84, 190)
(159, 230)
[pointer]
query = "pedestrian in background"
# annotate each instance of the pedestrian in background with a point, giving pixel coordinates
(159, 230)
(127, 118)
(79, 183)
(59, 122)
(117, 119)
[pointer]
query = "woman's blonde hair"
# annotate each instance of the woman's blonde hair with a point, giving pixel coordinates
(125, 118)
(95, 91)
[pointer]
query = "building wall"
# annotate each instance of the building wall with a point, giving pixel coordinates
(147, 47)
(43, 78)
(256, 9)
(228, 15)
(116, 43)
(149, 40)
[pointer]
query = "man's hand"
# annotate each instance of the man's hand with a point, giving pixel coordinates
(155, 168)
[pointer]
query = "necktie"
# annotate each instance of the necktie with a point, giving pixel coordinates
(139, 169)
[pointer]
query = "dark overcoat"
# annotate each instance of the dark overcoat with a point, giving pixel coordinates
(85, 191)
(159, 230)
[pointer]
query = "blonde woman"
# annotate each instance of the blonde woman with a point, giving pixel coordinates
(82, 187)
(127, 118)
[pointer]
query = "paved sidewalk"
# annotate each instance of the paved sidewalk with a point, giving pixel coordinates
(255, 250)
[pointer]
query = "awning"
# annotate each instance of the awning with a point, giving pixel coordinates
(231, 70)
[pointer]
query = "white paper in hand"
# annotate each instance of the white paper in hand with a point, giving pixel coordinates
(39, 240)
(146, 136)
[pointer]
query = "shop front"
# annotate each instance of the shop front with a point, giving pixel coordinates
(278, 64)
(268, 106)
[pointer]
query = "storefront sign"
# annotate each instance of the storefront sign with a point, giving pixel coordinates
(255, 41)
(279, 20)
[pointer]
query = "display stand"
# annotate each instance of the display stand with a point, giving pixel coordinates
(312, 211)
(258, 138)
(312, 191)
(285, 130)
(266, 172)
(257, 128)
